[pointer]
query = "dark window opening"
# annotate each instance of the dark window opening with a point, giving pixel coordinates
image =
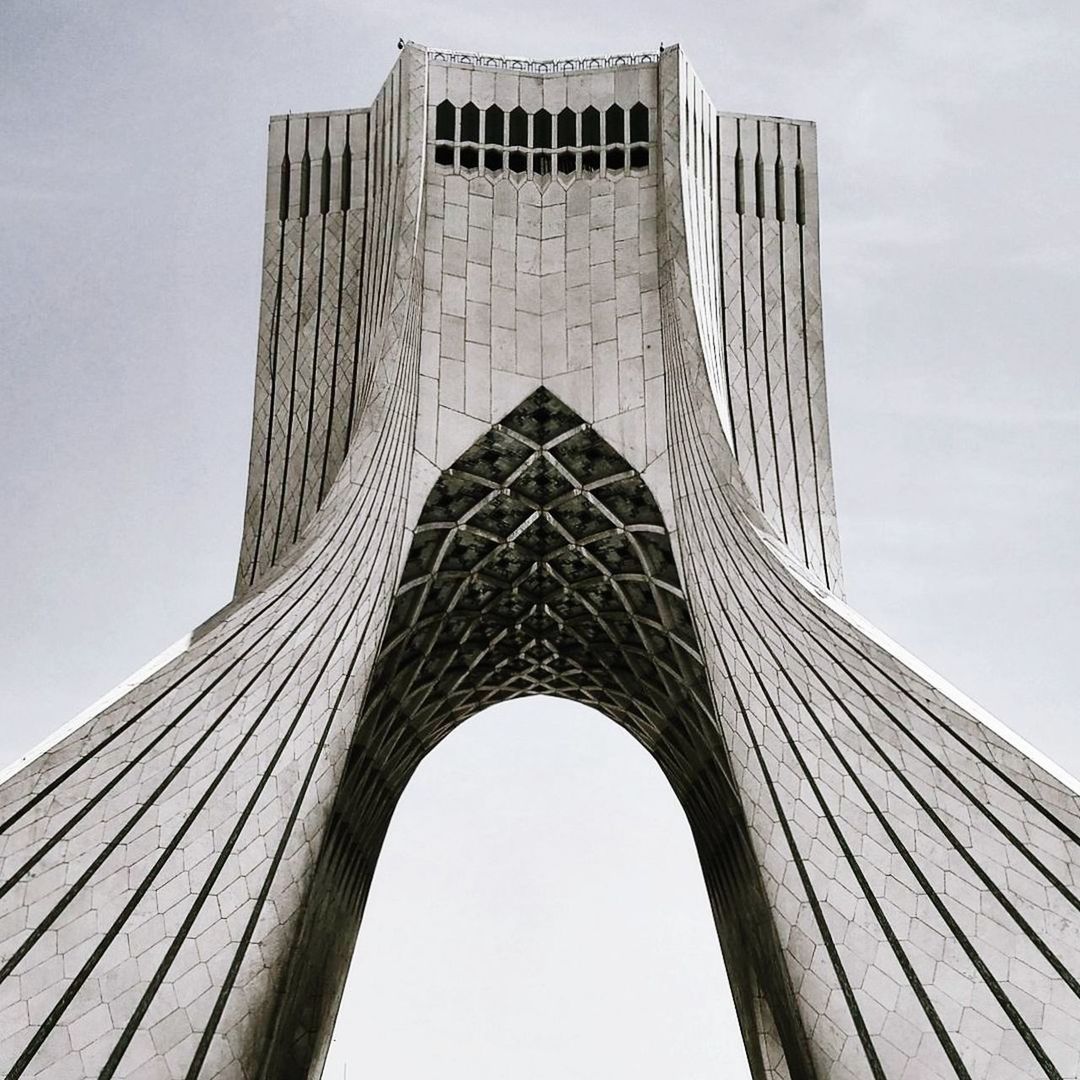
(567, 128)
(444, 120)
(579, 144)
(470, 123)
(346, 176)
(800, 194)
(493, 125)
(639, 123)
(286, 175)
(616, 124)
(519, 127)
(590, 127)
(779, 181)
(305, 184)
(759, 186)
(542, 130)
(324, 183)
(740, 204)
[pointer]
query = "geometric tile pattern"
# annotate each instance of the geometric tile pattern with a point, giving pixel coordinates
(526, 432)
(541, 565)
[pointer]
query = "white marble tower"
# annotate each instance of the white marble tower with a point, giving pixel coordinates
(540, 408)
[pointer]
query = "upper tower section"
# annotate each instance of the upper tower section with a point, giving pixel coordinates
(552, 194)
(543, 120)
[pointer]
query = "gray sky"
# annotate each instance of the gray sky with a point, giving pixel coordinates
(538, 909)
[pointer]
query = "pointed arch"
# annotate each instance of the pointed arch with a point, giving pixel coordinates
(541, 563)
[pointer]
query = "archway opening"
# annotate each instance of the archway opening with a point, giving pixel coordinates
(541, 564)
(538, 910)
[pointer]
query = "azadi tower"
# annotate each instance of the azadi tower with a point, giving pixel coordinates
(540, 409)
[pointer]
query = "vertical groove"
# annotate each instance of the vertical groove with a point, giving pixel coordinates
(332, 421)
(780, 215)
(324, 177)
(759, 180)
(346, 170)
(800, 184)
(740, 201)
(742, 299)
(290, 418)
(800, 217)
(305, 171)
(766, 362)
(312, 387)
(361, 305)
(723, 285)
(275, 332)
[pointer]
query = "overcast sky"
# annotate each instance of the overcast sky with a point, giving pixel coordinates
(538, 910)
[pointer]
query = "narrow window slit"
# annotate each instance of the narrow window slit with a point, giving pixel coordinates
(740, 201)
(781, 210)
(305, 183)
(324, 182)
(759, 186)
(346, 171)
(800, 194)
(286, 175)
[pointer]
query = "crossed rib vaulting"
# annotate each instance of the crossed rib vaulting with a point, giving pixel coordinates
(539, 408)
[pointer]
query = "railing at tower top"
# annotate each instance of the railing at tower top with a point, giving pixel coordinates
(539, 67)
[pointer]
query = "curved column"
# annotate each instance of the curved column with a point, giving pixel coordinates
(922, 869)
(153, 863)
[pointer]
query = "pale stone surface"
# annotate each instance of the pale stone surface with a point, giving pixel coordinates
(540, 415)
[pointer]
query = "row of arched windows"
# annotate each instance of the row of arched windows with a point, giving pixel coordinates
(542, 142)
